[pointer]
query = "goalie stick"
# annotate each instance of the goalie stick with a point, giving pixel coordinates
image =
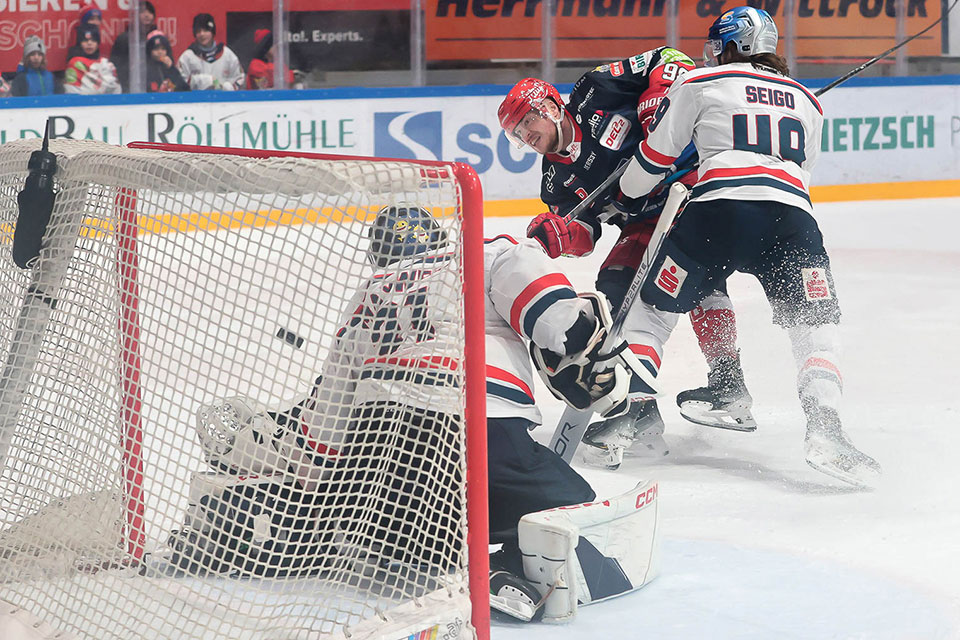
(46, 249)
(574, 422)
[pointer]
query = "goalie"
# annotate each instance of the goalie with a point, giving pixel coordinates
(368, 466)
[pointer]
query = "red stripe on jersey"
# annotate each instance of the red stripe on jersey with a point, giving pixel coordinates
(502, 236)
(822, 363)
(532, 290)
(505, 376)
(656, 156)
(426, 362)
(319, 447)
(648, 351)
(780, 174)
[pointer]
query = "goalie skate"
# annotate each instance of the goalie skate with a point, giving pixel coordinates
(724, 403)
(829, 451)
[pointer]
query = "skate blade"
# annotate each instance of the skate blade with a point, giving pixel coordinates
(863, 472)
(648, 446)
(861, 476)
(703, 414)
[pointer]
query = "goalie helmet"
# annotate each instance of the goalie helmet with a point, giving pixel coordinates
(753, 31)
(528, 95)
(402, 232)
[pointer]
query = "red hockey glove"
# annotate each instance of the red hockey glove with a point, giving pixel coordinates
(557, 238)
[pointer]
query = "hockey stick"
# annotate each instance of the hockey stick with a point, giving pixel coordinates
(582, 206)
(682, 160)
(876, 59)
(574, 422)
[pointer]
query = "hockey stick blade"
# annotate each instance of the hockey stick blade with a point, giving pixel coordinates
(573, 423)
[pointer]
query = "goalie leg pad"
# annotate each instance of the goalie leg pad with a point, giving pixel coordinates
(587, 553)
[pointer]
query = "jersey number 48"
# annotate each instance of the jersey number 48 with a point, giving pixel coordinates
(790, 139)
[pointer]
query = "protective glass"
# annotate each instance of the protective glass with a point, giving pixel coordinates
(711, 52)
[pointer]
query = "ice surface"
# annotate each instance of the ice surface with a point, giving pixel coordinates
(756, 543)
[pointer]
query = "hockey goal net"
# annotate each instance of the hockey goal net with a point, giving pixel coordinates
(171, 278)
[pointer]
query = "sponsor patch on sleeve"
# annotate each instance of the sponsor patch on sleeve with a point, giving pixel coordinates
(615, 132)
(815, 284)
(637, 63)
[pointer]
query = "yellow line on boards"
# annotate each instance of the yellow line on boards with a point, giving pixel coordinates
(887, 191)
(830, 193)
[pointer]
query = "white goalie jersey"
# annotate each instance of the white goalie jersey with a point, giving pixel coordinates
(527, 299)
(398, 342)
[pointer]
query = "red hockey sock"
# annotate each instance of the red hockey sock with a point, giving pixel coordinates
(716, 331)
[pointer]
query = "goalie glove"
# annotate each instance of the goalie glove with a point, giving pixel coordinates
(598, 376)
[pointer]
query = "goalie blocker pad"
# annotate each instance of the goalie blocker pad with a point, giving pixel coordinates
(582, 554)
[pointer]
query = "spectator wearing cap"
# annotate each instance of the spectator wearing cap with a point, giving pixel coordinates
(32, 77)
(89, 15)
(260, 71)
(120, 56)
(89, 72)
(162, 74)
(208, 64)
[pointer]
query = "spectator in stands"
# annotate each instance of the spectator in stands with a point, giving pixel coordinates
(208, 64)
(162, 74)
(90, 73)
(260, 71)
(4, 88)
(120, 56)
(88, 15)
(32, 78)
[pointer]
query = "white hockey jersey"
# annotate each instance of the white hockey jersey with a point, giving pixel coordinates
(527, 298)
(757, 133)
(401, 338)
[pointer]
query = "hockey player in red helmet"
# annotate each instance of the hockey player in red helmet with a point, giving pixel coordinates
(583, 139)
(532, 114)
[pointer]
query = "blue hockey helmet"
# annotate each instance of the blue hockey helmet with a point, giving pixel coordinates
(752, 30)
(401, 232)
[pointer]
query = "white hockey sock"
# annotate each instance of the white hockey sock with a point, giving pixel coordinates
(816, 350)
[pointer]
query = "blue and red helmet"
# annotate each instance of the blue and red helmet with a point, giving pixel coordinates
(401, 232)
(752, 30)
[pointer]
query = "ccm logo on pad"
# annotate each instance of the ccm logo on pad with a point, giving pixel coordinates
(615, 133)
(671, 277)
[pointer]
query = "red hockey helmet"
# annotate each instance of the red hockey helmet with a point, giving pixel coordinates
(526, 95)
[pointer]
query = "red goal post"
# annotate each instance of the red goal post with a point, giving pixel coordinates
(133, 217)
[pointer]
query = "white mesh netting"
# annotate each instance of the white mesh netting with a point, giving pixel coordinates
(183, 294)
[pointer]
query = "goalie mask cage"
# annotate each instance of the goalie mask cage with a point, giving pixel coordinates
(173, 276)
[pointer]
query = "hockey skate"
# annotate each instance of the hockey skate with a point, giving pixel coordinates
(637, 432)
(724, 403)
(510, 593)
(829, 451)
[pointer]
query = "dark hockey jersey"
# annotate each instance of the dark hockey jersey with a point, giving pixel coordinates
(610, 109)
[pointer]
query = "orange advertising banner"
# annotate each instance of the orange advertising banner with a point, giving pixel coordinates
(609, 29)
